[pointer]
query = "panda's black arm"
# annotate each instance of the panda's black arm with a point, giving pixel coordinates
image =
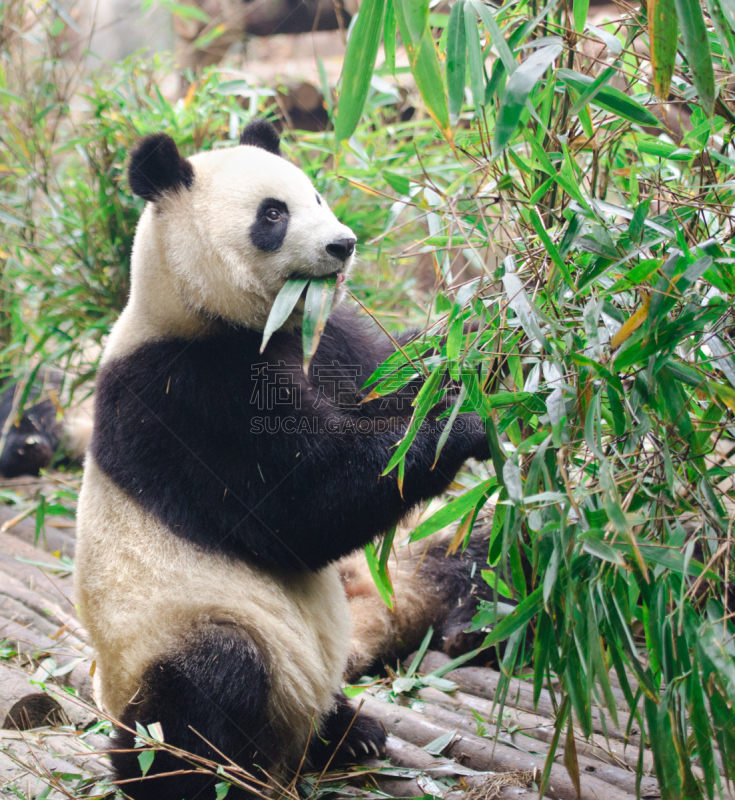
(332, 498)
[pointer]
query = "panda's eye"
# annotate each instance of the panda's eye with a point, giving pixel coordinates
(273, 215)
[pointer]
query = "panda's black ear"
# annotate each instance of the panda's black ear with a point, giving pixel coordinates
(157, 167)
(259, 133)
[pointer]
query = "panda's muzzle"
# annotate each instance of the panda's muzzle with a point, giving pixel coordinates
(341, 248)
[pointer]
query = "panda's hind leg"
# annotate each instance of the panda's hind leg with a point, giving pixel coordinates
(214, 687)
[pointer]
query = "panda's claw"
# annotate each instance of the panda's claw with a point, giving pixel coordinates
(376, 750)
(350, 751)
(365, 747)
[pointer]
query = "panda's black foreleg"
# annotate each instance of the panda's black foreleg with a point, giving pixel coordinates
(346, 735)
(214, 688)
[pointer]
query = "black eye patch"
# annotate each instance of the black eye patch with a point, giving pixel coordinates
(271, 223)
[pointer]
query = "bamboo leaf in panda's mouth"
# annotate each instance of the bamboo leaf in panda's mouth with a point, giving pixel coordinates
(319, 297)
(282, 307)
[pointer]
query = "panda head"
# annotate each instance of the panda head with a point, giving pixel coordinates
(225, 229)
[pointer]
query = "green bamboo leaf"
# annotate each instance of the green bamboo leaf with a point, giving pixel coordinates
(696, 48)
(702, 731)
(662, 33)
(455, 509)
(723, 30)
(597, 657)
(397, 366)
(479, 402)
(424, 403)
(670, 559)
(521, 615)
(728, 9)
(389, 37)
(570, 758)
(379, 572)
(546, 239)
(616, 515)
(456, 59)
(616, 409)
(549, 763)
(712, 648)
(221, 790)
(203, 41)
(541, 647)
(488, 18)
(318, 304)
(599, 549)
(581, 9)
(722, 718)
(413, 23)
(552, 570)
(413, 19)
(420, 653)
(450, 423)
(183, 11)
(591, 426)
(145, 760)
(398, 182)
(593, 89)
(517, 90)
(610, 99)
(675, 402)
(663, 748)
(282, 307)
(477, 70)
(357, 70)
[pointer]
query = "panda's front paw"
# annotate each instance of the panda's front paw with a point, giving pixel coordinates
(346, 736)
(365, 739)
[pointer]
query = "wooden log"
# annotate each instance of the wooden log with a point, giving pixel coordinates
(19, 560)
(614, 775)
(30, 764)
(535, 726)
(483, 754)
(483, 682)
(15, 775)
(401, 753)
(52, 540)
(36, 646)
(43, 613)
(83, 752)
(24, 705)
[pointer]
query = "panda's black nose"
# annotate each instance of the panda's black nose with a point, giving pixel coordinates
(342, 248)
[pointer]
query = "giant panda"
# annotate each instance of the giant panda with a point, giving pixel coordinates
(214, 506)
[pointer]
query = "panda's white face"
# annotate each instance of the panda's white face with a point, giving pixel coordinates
(235, 227)
(264, 220)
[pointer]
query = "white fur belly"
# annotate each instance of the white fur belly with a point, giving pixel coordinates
(139, 587)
